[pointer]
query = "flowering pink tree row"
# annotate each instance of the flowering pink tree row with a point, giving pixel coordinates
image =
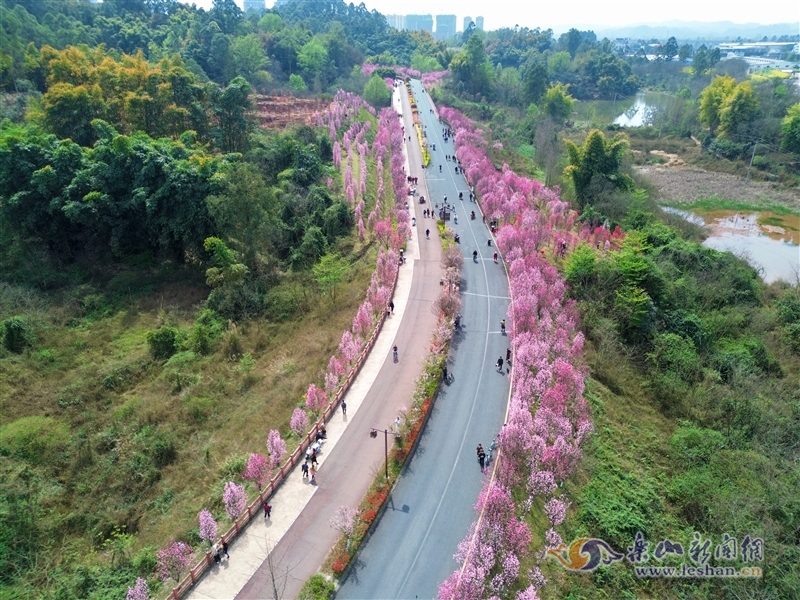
(434, 78)
(369, 68)
(548, 416)
(344, 108)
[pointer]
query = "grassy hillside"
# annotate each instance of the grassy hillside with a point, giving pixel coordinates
(105, 452)
(695, 404)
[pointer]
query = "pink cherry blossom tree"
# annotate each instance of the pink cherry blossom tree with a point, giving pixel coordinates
(139, 591)
(207, 526)
(234, 498)
(257, 469)
(316, 398)
(173, 560)
(344, 520)
(276, 447)
(299, 422)
(362, 323)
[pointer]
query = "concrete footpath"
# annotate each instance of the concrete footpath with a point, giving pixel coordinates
(272, 558)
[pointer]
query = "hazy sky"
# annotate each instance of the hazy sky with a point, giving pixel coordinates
(594, 14)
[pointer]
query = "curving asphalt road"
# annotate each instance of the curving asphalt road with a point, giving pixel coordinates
(411, 550)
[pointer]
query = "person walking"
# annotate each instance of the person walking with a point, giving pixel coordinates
(225, 549)
(217, 557)
(304, 469)
(313, 457)
(500, 364)
(344, 408)
(508, 355)
(481, 456)
(394, 353)
(503, 326)
(391, 306)
(313, 474)
(428, 233)
(267, 510)
(495, 258)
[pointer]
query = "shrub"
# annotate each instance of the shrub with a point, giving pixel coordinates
(792, 335)
(37, 439)
(789, 307)
(198, 408)
(616, 505)
(233, 467)
(317, 588)
(726, 148)
(205, 333)
(741, 358)
(581, 267)
(672, 352)
(163, 342)
(696, 444)
(17, 334)
(284, 302)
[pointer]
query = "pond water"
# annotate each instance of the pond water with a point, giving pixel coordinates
(768, 241)
(644, 109)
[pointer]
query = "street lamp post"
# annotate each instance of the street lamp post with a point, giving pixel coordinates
(373, 434)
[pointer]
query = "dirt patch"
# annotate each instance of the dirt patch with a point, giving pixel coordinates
(686, 184)
(669, 160)
(276, 112)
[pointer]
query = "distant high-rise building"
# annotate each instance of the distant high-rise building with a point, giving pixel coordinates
(280, 3)
(467, 21)
(396, 21)
(445, 27)
(419, 23)
(479, 23)
(255, 5)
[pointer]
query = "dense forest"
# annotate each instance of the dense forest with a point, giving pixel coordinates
(158, 249)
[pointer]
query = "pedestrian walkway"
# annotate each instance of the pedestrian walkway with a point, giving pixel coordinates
(279, 554)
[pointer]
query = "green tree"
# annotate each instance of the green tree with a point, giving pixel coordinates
(329, 272)
(231, 106)
(312, 60)
(376, 92)
(509, 87)
(244, 213)
(249, 59)
(70, 109)
(471, 70)
(570, 41)
(700, 61)
(713, 98)
(296, 83)
(597, 162)
(424, 63)
(535, 79)
(311, 248)
(557, 103)
(559, 64)
(227, 271)
(738, 111)
(670, 49)
(790, 130)
(685, 51)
